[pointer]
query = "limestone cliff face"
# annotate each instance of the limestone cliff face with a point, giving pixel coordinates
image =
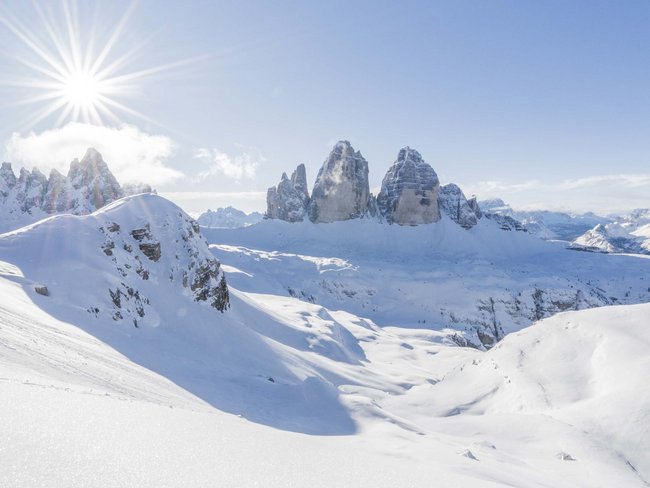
(289, 199)
(409, 191)
(341, 191)
(453, 203)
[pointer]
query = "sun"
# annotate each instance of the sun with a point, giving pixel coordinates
(76, 75)
(82, 90)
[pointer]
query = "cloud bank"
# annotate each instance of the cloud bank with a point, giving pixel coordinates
(242, 166)
(132, 155)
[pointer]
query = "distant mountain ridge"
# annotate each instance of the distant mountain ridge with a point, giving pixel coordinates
(228, 218)
(88, 186)
(627, 234)
(545, 223)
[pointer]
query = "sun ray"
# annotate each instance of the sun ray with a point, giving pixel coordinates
(80, 74)
(23, 34)
(113, 39)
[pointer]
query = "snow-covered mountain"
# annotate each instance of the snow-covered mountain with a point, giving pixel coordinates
(229, 218)
(124, 262)
(545, 223)
(629, 233)
(31, 196)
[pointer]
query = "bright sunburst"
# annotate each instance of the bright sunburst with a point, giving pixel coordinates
(68, 76)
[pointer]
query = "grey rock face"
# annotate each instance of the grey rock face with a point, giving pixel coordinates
(341, 190)
(95, 184)
(299, 181)
(288, 201)
(7, 179)
(473, 204)
(506, 222)
(454, 204)
(409, 191)
(30, 190)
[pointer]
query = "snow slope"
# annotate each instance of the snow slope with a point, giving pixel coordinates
(482, 282)
(81, 405)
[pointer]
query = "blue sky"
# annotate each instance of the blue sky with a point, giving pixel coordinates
(543, 103)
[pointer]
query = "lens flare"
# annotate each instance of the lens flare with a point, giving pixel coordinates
(68, 76)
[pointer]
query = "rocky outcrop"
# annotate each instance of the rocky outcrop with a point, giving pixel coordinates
(453, 203)
(163, 247)
(473, 204)
(409, 191)
(289, 200)
(341, 190)
(505, 222)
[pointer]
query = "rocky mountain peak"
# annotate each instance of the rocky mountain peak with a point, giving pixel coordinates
(409, 191)
(299, 180)
(289, 199)
(89, 185)
(341, 190)
(454, 204)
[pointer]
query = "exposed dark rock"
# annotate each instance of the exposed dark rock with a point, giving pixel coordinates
(42, 290)
(152, 250)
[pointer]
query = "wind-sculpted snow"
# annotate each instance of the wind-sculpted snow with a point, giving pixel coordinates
(341, 190)
(409, 191)
(481, 283)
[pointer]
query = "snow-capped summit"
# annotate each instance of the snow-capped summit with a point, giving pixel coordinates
(630, 234)
(228, 218)
(341, 191)
(409, 191)
(136, 261)
(289, 200)
(31, 196)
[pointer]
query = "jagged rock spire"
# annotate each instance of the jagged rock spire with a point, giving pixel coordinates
(341, 190)
(288, 201)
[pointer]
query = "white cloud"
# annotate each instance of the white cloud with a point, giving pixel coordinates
(242, 166)
(131, 154)
(601, 193)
